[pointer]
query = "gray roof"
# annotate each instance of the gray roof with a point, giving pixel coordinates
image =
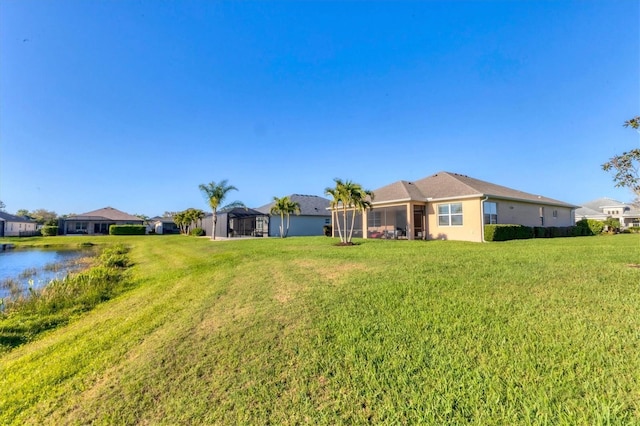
(13, 218)
(443, 185)
(107, 213)
(594, 208)
(310, 205)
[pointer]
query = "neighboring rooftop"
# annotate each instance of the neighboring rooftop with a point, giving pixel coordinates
(13, 218)
(310, 205)
(444, 185)
(107, 213)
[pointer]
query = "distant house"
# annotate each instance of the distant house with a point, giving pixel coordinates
(314, 214)
(603, 208)
(16, 226)
(98, 221)
(452, 206)
(162, 225)
(237, 222)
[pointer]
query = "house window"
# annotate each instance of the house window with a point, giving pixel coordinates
(541, 216)
(555, 213)
(327, 221)
(450, 214)
(490, 213)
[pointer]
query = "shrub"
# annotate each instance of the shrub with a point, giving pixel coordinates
(590, 226)
(507, 232)
(327, 230)
(127, 230)
(49, 231)
(197, 232)
(540, 232)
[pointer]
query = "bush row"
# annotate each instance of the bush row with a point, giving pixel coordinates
(127, 230)
(521, 232)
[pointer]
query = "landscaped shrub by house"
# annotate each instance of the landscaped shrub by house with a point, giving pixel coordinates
(591, 226)
(49, 231)
(197, 232)
(520, 232)
(633, 229)
(127, 230)
(540, 232)
(326, 229)
(507, 232)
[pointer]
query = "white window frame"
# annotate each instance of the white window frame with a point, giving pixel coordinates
(493, 217)
(448, 217)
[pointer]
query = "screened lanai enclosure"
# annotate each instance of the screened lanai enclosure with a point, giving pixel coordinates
(242, 222)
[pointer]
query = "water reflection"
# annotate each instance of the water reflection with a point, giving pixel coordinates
(21, 269)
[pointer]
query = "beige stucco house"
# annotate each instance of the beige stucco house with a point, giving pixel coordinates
(604, 208)
(16, 226)
(452, 206)
(98, 221)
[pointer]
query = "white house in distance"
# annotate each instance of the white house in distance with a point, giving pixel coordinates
(314, 214)
(16, 226)
(604, 207)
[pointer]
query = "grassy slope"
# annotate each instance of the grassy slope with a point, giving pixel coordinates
(299, 331)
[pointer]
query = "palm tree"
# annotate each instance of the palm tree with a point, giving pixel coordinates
(338, 200)
(348, 195)
(215, 193)
(284, 207)
(356, 197)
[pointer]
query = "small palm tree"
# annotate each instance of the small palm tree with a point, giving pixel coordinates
(338, 201)
(348, 195)
(284, 207)
(215, 193)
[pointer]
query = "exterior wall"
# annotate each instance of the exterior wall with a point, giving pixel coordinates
(471, 229)
(16, 229)
(528, 214)
(299, 225)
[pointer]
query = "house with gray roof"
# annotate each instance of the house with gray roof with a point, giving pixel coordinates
(604, 208)
(314, 215)
(97, 221)
(452, 206)
(16, 226)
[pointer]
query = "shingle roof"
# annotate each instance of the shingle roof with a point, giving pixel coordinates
(594, 208)
(107, 213)
(310, 205)
(451, 185)
(13, 218)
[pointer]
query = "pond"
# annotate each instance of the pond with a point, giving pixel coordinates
(22, 268)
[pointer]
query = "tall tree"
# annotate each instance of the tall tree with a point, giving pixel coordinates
(348, 195)
(2, 206)
(215, 193)
(284, 206)
(626, 166)
(338, 202)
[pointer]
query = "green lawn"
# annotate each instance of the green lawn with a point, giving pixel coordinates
(299, 331)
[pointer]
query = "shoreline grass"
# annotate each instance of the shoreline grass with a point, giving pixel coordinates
(299, 331)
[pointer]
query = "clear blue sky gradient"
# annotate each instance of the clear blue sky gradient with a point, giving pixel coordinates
(133, 104)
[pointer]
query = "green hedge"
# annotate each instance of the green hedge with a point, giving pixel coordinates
(49, 231)
(127, 230)
(521, 232)
(590, 226)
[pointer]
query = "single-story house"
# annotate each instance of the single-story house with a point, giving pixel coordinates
(452, 206)
(314, 214)
(604, 208)
(16, 226)
(97, 221)
(237, 222)
(162, 225)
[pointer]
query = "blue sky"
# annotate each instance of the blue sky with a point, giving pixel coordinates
(133, 104)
